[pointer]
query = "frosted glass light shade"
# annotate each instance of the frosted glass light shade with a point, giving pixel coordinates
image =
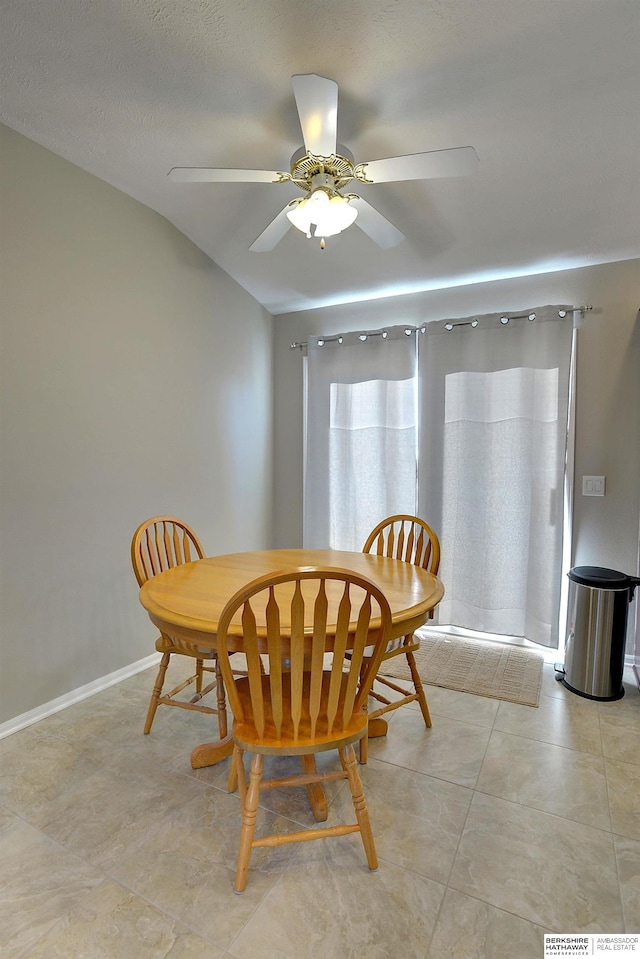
(335, 217)
(328, 215)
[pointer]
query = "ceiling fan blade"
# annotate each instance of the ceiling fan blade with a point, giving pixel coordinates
(273, 233)
(460, 161)
(375, 225)
(317, 103)
(194, 174)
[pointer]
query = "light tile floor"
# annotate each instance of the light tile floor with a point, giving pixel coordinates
(498, 824)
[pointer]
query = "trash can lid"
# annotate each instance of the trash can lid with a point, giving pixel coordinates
(600, 576)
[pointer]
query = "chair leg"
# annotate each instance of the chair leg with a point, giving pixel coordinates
(240, 774)
(249, 812)
(221, 703)
(364, 749)
(235, 779)
(199, 672)
(315, 792)
(155, 695)
(417, 682)
(348, 760)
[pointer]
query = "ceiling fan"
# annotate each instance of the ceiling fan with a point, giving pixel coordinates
(321, 172)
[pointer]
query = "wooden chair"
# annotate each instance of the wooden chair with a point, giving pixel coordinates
(411, 539)
(304, 702)
(158, 544)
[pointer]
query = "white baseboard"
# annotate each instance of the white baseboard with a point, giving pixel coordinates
(76, 696)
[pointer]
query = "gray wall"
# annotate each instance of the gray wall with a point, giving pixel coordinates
(136, 379)
(607, 402)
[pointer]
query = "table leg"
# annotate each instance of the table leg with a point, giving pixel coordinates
(317, 798)
(208, 754)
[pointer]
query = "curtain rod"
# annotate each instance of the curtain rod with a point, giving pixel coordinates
(449, 325)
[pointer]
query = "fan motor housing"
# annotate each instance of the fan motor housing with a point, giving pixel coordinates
(310, 172)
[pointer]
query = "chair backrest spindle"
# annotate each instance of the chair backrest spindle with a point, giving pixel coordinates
(160, 543)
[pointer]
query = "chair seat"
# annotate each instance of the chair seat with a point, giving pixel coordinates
(164, 644)
(308, 740)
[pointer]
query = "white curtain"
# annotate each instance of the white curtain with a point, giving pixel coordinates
(493, 441)
(361, 437)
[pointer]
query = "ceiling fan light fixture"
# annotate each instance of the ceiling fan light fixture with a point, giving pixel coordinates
(329, 213)
(308, 211)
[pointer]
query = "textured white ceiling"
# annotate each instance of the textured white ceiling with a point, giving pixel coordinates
(547, 91)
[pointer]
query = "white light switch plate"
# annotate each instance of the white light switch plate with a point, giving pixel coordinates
(593, 485)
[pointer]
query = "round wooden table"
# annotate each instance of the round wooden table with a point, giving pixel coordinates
(187, 601)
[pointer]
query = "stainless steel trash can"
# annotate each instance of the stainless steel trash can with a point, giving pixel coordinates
(598, 607)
